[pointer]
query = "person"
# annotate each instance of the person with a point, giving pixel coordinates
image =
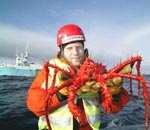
(71, 42)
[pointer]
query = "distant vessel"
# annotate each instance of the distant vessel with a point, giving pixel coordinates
(21, 68)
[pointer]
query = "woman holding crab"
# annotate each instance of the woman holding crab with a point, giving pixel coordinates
(53, 111)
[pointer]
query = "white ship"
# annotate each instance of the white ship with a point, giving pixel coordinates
(22, 67)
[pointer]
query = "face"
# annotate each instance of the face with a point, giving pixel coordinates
(74, 53)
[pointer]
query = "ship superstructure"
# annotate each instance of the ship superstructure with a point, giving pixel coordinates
(22, 67)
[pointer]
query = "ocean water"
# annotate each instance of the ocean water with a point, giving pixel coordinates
(15, 115)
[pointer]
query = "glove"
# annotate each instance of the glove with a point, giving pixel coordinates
(117, 81)
(89, 90)
(90, 86)
(114, 85)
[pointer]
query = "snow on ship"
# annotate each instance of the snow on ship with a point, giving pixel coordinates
(21, 68)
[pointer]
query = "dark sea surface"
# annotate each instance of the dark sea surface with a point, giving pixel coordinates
(14, 114)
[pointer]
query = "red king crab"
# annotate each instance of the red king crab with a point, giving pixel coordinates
(90, 70)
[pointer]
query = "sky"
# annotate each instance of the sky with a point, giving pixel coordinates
(114, 29)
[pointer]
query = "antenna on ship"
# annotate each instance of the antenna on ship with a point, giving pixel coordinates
(26, 55)
(16, 52)
(17, 58)
(27, 51)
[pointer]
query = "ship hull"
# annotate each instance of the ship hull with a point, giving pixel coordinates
(18, 71)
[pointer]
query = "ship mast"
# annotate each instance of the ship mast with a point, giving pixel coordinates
(22, 59)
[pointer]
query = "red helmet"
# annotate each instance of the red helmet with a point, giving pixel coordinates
(69, 33)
